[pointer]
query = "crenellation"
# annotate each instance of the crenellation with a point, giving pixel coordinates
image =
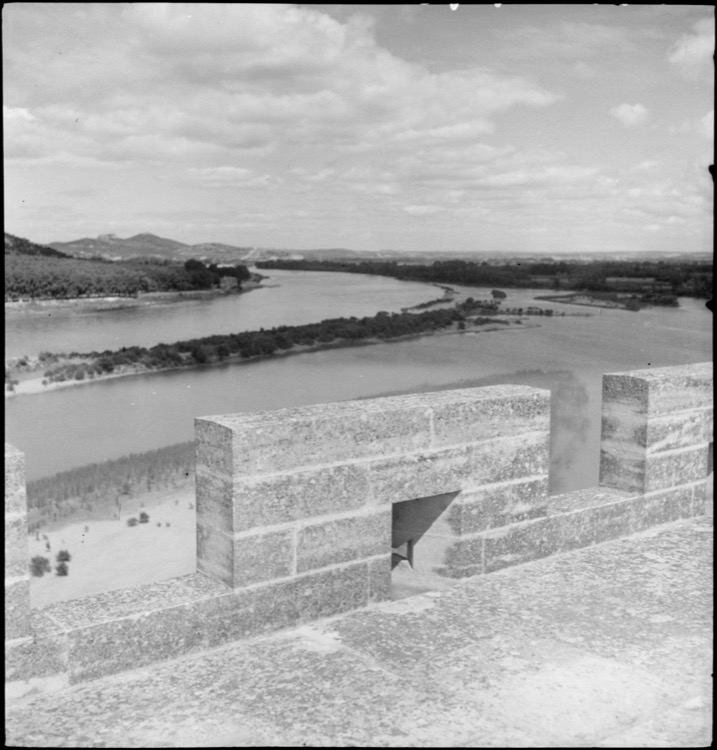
(301, 513)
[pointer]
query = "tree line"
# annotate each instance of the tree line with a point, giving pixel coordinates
(654, 282)
(261, 343)
(35, 272)
(105, 482)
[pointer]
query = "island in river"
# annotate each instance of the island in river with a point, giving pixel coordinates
(74, 368)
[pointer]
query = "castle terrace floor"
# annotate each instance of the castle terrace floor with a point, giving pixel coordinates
(608, 646)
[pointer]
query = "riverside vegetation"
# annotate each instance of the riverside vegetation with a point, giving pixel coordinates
(95, 490)
(634, 284)
(254, 344)
(37, 272)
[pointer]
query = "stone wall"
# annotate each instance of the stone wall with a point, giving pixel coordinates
(300, 513)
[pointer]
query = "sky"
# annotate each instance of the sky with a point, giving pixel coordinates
(489, 128)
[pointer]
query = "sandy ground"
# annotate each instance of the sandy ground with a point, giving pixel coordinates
(112, 555)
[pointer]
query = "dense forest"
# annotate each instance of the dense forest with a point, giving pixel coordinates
(37, 272)
(262, 343)
(653, 282)
(104, 484)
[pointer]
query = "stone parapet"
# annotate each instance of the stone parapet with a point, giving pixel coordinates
(657, 426)
(294, 525)
(286, 492)
(17, 576)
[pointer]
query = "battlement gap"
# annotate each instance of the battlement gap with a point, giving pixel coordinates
(304, 513)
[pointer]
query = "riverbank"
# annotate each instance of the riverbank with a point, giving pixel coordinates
(119, 302)
(30, 386)
(608, 300)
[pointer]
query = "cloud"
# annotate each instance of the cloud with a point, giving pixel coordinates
(567, 40)
(706, 126)
(693, 53)
(630, 115)
(211, 82)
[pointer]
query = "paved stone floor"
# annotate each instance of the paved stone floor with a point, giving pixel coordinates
(609, 646)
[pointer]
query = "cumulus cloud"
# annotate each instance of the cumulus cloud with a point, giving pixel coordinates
(630, 115)
(693, 53)
(235, 77)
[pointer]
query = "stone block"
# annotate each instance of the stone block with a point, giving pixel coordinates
(675, 468)
(379, 578)
(17, 551)
(44, 654)
(463, 557)
(415, 475)
(700, 499)
(287, 439)
(675, 431)
(15, 494)
(17, 607)
(304, 598)
(262, 557)
(489, 413)
(519, 543)
(228, 617)
(342, 540)
(333, 591)
(709, 425)
(662, 391)
(497, 505)
(657, 508)
(623, 472)
(508, 459)
(131, 642)
(214, 494)
(283, 498)
(215, 553)
(213, 444)
(588, 526)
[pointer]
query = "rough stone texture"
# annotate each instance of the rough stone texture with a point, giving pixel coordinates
(293, 542)
(314, 473)
(379, 578)
(420, 474)
(661, 507)
(245, 559)
(282, 498)
(35, 657)
(17, 607)
(17, 551)
(519, 543)
(499, 505)
(656, 425)
(343, 540)
(285, 439)
(15, 496)
(263, 557)
(505, 415)
(608, 646)
(17, 577)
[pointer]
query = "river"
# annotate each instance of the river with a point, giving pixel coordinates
(287, 298)
(74, 426)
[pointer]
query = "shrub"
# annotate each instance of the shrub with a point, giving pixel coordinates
(61, 569)
(143, 517)
(39, 565)
(63, 556)
(132, 521)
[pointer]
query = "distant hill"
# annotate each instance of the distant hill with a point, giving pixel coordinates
(20, 246)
